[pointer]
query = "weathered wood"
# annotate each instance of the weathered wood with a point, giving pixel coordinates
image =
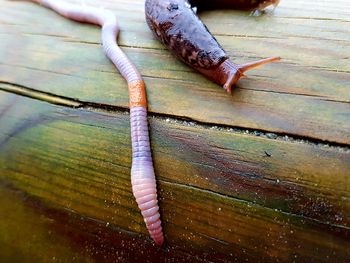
(221, 196)
(304, 95)
(226, 194)
(63, 236)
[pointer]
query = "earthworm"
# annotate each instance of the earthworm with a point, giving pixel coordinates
(176, 25)
(142, 171)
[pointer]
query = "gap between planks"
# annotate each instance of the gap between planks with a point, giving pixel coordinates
(75, 103)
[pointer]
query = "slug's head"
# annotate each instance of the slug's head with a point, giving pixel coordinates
(265, 3)
(228, 73)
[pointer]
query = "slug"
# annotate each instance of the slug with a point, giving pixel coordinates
(142, 171)
(176, 25)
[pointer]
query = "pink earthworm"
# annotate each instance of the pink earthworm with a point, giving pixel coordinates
(142, 172)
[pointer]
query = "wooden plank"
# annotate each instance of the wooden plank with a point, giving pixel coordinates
(223, 195)
(57, 234)
(305, 95)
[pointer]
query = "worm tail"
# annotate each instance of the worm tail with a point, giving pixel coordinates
(142, 174)
(142, 171)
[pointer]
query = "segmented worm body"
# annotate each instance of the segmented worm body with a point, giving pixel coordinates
(175, 23)
(142, 172)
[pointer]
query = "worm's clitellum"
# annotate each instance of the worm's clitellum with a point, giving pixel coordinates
(142, 172)
(175, 23)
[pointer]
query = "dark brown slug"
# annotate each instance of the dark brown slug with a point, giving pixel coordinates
(175, 23)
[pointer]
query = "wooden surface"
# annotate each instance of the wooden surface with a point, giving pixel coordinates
(262, 175)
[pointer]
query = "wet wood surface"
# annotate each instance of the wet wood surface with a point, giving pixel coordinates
(262, 175)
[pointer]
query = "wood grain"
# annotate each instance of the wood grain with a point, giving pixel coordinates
(306, 95)
(221, 197)
(230, 189)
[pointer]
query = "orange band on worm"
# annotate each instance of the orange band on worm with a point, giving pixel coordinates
(137, 94)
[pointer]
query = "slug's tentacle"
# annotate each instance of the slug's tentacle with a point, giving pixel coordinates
(142, 171)
(251, 65)
(238, 71)
(176, 24)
